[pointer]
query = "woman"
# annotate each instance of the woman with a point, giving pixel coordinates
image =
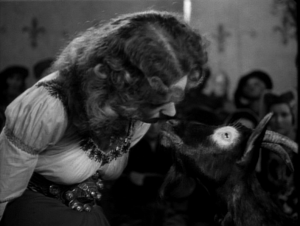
(71, 131)
(12, 83)
(283, 121)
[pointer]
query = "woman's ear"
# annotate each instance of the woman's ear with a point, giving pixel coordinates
(97, 71)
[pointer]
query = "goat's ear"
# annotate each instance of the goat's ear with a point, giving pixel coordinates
(251, 153)
(177, 184)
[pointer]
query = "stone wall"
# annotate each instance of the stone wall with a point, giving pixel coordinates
(241, 32)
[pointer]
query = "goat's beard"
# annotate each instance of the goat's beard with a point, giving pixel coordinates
(169, 139)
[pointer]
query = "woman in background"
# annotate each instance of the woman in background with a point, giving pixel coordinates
(250, 89)
(70, 132)
(12, 84)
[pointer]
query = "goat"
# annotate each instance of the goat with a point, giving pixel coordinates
(223, 160)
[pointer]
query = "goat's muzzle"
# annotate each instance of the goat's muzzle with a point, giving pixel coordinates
(168, 136)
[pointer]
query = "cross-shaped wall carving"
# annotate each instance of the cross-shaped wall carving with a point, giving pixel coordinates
(221, 36)
(34, 31)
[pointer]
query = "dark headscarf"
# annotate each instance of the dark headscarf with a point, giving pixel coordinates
(15, 69)
(261, 75)
(271, 98)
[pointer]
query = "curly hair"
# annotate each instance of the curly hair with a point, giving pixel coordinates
(109, 70)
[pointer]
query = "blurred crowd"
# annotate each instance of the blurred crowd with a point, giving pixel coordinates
(134, 197)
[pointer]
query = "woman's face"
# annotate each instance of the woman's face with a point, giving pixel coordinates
(282, 120)
(254, 88)
(152, 113)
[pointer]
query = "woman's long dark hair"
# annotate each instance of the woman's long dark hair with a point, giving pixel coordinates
(138, 56)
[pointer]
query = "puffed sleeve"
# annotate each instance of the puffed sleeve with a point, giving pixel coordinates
(35, 120)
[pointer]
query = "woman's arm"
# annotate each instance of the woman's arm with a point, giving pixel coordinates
(34, 121)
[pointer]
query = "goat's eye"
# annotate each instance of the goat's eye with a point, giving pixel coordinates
(225, 136)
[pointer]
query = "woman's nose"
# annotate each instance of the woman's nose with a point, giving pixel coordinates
(168, 109)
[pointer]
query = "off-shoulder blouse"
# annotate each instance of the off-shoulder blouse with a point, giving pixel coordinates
(38, 138)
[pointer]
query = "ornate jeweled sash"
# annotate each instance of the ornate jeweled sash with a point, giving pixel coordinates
(80, 197)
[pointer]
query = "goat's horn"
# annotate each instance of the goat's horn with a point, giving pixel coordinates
(273, 137)
(255, 137)
(280, 151)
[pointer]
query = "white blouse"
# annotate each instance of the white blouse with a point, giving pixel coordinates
(38, 138)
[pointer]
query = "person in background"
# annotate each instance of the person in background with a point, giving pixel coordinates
(12, 84)
(250, 89)
(71, 132)
(284, 107)
(42, 68)
(215, 95)
(275, 176)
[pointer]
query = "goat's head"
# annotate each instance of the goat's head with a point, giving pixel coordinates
(217, 154)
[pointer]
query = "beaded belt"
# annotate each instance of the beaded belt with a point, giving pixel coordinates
(80, 197)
